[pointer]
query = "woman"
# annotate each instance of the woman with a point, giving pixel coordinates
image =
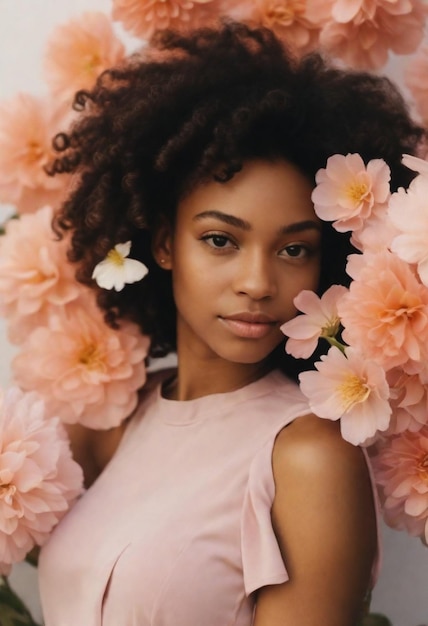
(221, 500)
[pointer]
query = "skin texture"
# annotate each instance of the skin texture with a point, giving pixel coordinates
(250, 246)
(247, 246)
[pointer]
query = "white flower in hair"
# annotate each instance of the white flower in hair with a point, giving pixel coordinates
(116, 270)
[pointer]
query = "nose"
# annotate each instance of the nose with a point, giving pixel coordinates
(255, 276)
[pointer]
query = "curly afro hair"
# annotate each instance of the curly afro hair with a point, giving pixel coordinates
(195, 108)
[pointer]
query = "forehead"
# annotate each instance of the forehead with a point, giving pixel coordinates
(274, 190)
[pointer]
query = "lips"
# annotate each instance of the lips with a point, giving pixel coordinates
(249, 325)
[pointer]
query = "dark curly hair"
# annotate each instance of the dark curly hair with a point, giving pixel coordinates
(195, 108)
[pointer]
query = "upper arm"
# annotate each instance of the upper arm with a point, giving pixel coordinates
(324, 519)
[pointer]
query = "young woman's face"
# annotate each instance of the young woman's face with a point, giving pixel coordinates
(240, 252)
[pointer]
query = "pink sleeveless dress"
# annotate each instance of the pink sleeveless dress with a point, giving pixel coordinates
(177, 530)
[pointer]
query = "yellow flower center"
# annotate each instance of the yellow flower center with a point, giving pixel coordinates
(357, 191)
(35, 152)
(352, 391)
(91, 64)
(331, 328)
(285, 13)
(422, 468)
(116, 258)
(7, 492)
(91, 357)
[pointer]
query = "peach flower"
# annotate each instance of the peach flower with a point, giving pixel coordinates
(362, 32)
(38, 478)
(320, 319)
(35, 276)
(143, 17)
(86, 371)
(401, 471)
(77, 53)
(350, 388)
(408, 212)
(347, 191)
(416, 79)
(27, 125)
(376, 233)
(409, 400)
(385, 312)
(289, 19)
(415, 164)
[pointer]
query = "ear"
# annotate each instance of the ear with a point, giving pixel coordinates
(162, 245)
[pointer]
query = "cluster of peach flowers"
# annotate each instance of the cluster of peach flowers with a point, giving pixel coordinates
(361, 33)
(374, 377)
(69, 366)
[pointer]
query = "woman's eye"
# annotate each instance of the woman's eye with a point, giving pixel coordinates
(295, 251)
(218, 241)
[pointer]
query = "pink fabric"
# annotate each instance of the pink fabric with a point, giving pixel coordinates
(176, 531)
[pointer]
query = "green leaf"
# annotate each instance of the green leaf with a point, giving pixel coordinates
(375, 619)
(13, 611)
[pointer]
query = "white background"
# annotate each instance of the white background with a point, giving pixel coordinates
(402, 590)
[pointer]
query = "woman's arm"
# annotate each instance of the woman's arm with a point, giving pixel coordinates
(324, 518)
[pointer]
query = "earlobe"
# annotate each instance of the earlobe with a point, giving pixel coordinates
(162, 245)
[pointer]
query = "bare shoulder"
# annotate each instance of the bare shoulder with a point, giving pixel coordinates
(315, 448)
(324, 519)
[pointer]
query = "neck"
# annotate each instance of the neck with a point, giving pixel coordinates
(197, 379)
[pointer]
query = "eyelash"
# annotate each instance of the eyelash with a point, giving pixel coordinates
(307, 250)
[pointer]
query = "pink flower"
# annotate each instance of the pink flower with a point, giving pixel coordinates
(385, 313)
(362, 32)
(415, 164)
(408, 212)
(409, 400)
(401, 471)
(416, 79)
(86, 371)
(38, 478)
(376, 233)
(350, 388)
(35, 276)
(320, 320)
(347, 191)
(289, 20)
(27, 126)
(142, 18)
(77, 53)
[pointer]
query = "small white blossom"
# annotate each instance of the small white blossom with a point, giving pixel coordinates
(116, 270)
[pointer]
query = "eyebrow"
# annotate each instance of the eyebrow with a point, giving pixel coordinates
(232, 220)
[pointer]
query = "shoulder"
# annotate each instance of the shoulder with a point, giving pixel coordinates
(318, 474)
(310, 443)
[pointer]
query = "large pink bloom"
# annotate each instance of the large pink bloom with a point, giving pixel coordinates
(86, 371)
(143, 17)
(289, 19)
(349, 388)
(347, 191)
(35, 276)
(408, 211)
(38, 478)
(362, 32)
(416, 79)
(409, 400)
(385, 312)
(27, 126)
(401, 471)
(320, 319)
(77, 53)
(376, 233)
